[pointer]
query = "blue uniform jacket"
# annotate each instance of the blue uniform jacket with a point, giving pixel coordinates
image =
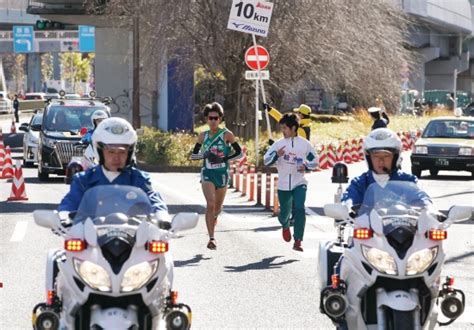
(87, 138)
(95, 176)
(359, 185)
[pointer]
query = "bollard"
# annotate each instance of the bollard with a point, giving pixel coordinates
(268, 177)
(231, 174)
(252, 183)
(244, 180)
(275, 197)
(259, 188)
(237, 179)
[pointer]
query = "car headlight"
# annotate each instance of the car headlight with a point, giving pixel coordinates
(465, 151)
(421, 149)
(137, 276)
(418, 262)
(94, 275)
(48, 142)
(380, 260)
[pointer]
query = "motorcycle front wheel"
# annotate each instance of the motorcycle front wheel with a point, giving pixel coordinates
(401, 320)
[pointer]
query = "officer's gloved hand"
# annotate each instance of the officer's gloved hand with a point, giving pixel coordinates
(266, 107)
(162, 220)
(270, 142)
(213, 158)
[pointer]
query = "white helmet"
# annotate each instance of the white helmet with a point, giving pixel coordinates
(383, 139)
(114, 132)
(99, 114)
(374, 109)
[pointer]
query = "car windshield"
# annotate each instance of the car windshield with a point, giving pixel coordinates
(456, 128)
(69, 118)
(37, 120)
(397, 198)
(103, 200)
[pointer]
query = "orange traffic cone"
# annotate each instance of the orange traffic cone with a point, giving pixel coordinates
(13, 128)
(2, 155)
(7, 171)
(18, 185)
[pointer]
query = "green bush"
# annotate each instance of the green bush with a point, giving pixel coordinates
(162, 148)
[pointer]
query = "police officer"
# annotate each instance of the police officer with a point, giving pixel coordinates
(114, 141)
(379, 116)
(96, 118)
(382, 149)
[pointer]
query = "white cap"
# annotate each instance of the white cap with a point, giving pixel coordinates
(374, 109)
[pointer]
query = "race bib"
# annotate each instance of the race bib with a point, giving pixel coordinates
(214, 166)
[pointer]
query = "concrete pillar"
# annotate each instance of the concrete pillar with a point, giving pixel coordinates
(56, 67)
(33, 71)
(112, 68)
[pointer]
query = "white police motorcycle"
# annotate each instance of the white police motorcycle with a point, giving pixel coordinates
(115, 271)
(390, 274)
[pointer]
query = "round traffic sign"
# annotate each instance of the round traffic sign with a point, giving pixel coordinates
(251, 58)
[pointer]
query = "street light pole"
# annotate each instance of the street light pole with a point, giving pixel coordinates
(136, 73)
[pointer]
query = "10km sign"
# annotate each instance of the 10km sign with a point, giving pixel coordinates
(250, 16)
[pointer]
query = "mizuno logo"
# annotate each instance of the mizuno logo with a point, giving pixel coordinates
(237, 24)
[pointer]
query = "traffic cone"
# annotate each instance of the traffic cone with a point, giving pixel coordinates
(7, 171)
(323, 160)
(2, 155)
(347, 153)
(13, 128)
(18, 185)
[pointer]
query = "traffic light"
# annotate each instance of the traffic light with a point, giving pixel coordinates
(49, 25)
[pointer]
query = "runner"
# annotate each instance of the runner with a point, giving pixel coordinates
(213, 146)
(293, 155)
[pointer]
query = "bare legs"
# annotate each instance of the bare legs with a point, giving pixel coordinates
(214, 200)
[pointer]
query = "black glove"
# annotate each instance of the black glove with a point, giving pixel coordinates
(270, 142)
(266, 106)
(213, 158)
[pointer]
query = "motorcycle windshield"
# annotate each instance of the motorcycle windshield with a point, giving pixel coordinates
(101, 201)
(398, 202)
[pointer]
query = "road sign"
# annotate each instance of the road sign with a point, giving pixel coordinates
(86, 39)
(23, 39)
(253, 75)
(250, 16)
(251, 58)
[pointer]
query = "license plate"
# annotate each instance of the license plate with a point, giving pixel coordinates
(442, 162)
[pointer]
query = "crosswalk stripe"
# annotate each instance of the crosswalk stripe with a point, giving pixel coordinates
(19, 231)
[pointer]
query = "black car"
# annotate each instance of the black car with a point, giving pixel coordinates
(64, 123)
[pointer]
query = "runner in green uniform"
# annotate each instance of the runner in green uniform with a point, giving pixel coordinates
(213, 146)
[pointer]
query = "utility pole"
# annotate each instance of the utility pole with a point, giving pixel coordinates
(136, 72)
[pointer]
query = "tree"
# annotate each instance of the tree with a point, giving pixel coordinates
(14, 65)
(75, 68)
(47, 68)
(355, 46)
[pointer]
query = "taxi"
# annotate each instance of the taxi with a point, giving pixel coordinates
(446, 144)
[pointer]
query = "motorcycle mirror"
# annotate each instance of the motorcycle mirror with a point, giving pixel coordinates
(336, 211)
(90, 233)
(459, 213)
(184, 221)
(47, 218)
(376, 222)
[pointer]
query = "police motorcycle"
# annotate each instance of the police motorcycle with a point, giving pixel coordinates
(389, 276)
(115, 271)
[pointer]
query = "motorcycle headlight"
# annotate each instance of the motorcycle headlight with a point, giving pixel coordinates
(48, 142)
(419, 261)
(421, 149)
(380, 260)
(94, 275)
(137, 276)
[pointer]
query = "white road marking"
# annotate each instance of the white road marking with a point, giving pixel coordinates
(19, 231)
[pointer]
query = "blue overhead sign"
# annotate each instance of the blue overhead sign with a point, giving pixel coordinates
(23, 39)
(86, 38)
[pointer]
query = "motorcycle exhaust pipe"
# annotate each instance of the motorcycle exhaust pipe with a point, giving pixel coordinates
(335, 304)
(47, 320)
(452, 307)
(177, 319)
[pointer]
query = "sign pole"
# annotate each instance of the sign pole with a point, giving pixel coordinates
(256, 123)
(267, 118)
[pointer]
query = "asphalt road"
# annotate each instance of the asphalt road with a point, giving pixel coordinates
(253, 280)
